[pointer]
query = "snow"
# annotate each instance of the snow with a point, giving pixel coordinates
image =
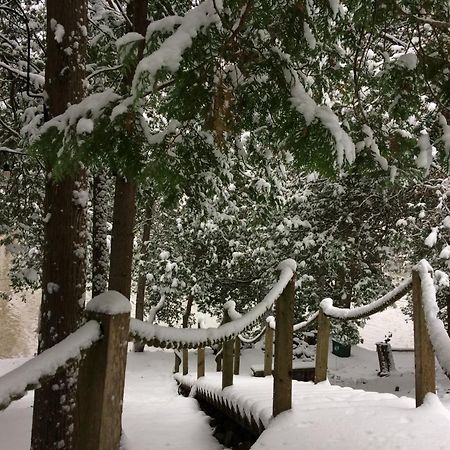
(93, 105)
(154, 416)
(306, 106)
(431, 239)
(128, 38)
(170, 53)
(85, 126)
(334, 5)
(322, 415)
(408, 60)
(425, 157)
(361, 311)
(310, 39)
(436, 328)
(15, 383)
(110, 303)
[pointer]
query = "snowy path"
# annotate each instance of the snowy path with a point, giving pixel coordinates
(333, 417)
(155, 417)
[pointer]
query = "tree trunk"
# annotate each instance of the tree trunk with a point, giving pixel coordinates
(55, 422)
(100, 253)
(122, 237)
(140, 295)
(125, 194)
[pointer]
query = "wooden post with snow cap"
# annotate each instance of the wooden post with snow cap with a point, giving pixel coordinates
(323, 339)
(227, 356)
(284, 313)
(268, 347)
(102, 374)
(423, 351)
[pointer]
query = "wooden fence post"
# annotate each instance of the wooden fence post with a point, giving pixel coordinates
(101, 379)
(423, 350)
(185, 361)
(176, 367)
(237, 355)
(218, 359)
(200, 361)
(268, 350)
(323, 339)
(282, 373)
(227, 357)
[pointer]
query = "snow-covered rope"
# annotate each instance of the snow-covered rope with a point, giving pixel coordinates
(272, 323)
(230, 308)
(169, 337)
(31, 374)
(361, 312)
(254, 339)
(436, 328)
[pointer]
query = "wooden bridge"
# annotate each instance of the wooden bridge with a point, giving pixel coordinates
(100, 347)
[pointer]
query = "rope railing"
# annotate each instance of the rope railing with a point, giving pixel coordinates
(436, 329)
(30, 375)
(361, 312)
(170, 337)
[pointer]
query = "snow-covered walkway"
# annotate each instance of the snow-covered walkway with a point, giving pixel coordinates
(333, 417)
(155, 417)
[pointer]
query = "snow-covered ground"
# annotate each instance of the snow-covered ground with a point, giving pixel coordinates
(155, 417)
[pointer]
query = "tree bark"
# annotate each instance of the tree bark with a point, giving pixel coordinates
(55, 422)
(140, 295)
(100, 253)
(122, 237)
(125, 195)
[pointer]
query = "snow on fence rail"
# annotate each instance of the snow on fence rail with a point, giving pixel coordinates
(361, 312)
(32, 373)
(436, 328)
(169, 337)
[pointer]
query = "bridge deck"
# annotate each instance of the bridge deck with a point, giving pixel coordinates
(330, 417)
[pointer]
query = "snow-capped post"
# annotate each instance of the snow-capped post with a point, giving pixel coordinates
(323, 339)
(423, 351)
(200, 360)
(227, 356)
(102, 374)
(237, 355)
(282, 372)
(268, 348)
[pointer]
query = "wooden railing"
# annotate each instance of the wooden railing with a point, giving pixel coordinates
(100, 346)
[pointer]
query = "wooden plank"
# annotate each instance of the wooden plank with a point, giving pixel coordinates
(237, 355)
(423, 351)
(101, 385)
(268, 351)
(323, 340)
(282, 373)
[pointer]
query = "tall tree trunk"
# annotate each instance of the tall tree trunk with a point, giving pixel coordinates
(100, 253)
(55, 421)
(122, 236)
(140, 295)
(125, 195)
